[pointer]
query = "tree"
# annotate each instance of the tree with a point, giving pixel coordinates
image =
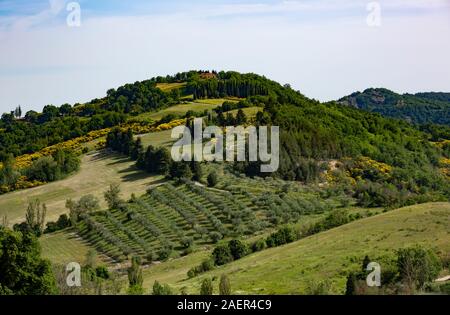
(91, 259)
(215, 236)
(229, 118)
(259, 245)
(5, 221)
(18, 112)
(180, 170)
(237, 249)
(283, 236)
(86, 204)
(241, 118)
(44, 169)
(23, 271)
(159, 289)
(136, 149)
(212, 179)
(73, 211)
(112, 196)
(35, 217)
(49, 113)
(187, 242)
(417, 266)
(135, 278)
(62, 223)
(197, 170)
(65, 110)
(102, 272)
(350, 284)
(8, 173)
(207, 287)
(164, 160)
(8, 119)
(32, 116)
(221, 119)
(222, 255)
(224, 285)
(155, 160)
(365, 263)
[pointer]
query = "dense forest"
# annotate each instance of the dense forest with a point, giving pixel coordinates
(420, 108)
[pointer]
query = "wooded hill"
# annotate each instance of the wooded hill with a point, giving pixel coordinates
(420, 108)
(311, 132)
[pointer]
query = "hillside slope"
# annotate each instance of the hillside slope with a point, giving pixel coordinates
(416, 108)
(328, 255)
(97, 172)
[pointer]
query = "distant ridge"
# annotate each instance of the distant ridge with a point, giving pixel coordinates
(419, 108)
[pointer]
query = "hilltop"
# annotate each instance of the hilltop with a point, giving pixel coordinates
(419, 108)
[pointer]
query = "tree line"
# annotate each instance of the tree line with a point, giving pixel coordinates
(44, 169)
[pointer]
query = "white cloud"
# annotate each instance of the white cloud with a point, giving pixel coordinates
(325, 58)
(17, 23)
(317, 7)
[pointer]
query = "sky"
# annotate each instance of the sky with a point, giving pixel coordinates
(324, 48)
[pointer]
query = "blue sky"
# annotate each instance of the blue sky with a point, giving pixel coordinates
(324, 48)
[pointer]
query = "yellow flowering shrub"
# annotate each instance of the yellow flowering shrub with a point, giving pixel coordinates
(142, 127)
(441, 144)
(25, 160)
(445, 167)
(76, 144)
(365, 167)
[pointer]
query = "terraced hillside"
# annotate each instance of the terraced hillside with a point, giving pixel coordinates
(169, 220)
(160, 221)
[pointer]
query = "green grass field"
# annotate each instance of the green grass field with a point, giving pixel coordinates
(328, 256)
(182, 109)
(157, 139)
(167, 87)
(98, 171)
(163, 138)
(250, 112)
(179, 110)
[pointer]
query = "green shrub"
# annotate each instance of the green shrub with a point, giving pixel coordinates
(62, 223)
(102, 272)
(238, 249)
(159, 289)
(222, 255)
(417, 266)
(224, 285)
(212, 179)
(215, 236)
(283, 236)
(207, 287)
(207, 265)
(259, 245)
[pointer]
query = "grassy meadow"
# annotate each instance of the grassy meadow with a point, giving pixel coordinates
(327, 256)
